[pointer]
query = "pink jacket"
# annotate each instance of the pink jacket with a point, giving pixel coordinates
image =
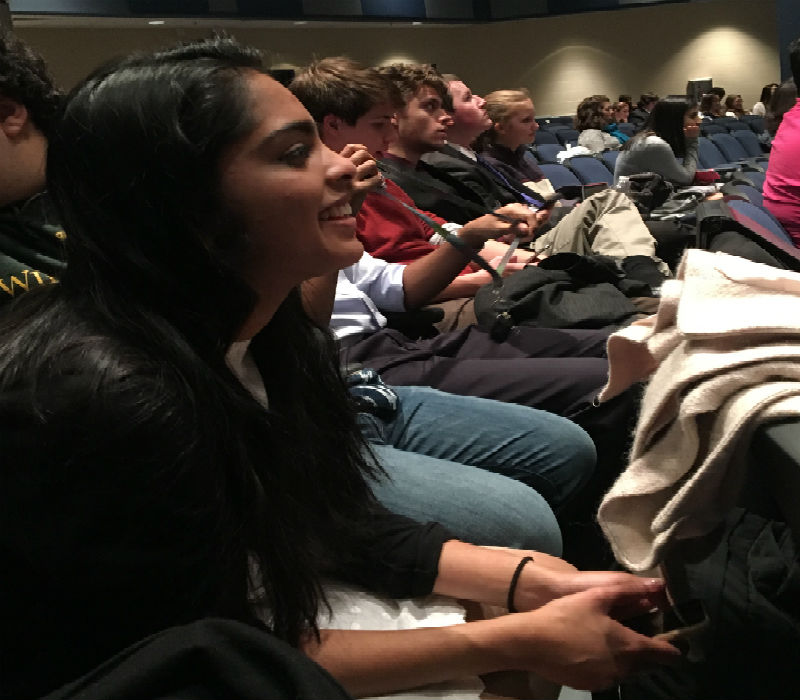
(782, 186)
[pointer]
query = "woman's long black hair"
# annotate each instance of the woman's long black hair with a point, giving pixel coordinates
(666, 121)
(782, 100)
(766, 93)
(153, 259)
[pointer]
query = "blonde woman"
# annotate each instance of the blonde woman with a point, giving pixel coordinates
(504, 145)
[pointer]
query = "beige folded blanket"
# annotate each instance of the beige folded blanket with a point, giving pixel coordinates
(723, 356)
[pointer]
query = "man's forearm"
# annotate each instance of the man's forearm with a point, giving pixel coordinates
(425, 278)
(463, 286)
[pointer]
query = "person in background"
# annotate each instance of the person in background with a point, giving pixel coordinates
(719, 92)
(734, 106)
(782, 184)
(504, 145)
(628, 100)
(710, 106)
(642, 112)
(782, 100)
(594, 115)
(760, 107)
(669, 135)
(622, 111)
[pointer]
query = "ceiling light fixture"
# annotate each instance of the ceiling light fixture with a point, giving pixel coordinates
(156, 21)
(301, 22)
(416, 24)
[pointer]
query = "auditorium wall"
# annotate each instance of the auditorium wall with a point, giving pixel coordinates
(559, 59)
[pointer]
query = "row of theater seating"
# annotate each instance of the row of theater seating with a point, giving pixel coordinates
(723, 152)
(564, 135)
(724, 125)
(562, 132)
(735, 166)
(733, 147)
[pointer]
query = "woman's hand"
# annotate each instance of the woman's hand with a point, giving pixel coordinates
(691, 131)
(578, 641)
(548, 578)
(367, 177)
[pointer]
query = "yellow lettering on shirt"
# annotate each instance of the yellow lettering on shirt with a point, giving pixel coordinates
(14, 284)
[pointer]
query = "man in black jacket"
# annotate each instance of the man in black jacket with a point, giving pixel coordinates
(639, 116)
(30, 242)
(424, 127)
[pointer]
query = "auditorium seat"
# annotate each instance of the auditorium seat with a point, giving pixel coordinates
(732, 149)
(711, 157)
(568, 136)
(546, 152)
(559, 175)
(755, 122)
(708, 128)
(746, 190)
(750, 143)
(762, 217)
(556, 126)
(756, 179)
(544, 137)
(610, 159)
(738, 125)
(590, 170)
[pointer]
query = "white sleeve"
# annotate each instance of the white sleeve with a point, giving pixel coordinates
(381, 281)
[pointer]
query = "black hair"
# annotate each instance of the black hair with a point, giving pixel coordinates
(782, 100)
(153, 262)
(794, 60)
(666, 121)
(707, 105)
(24, 78)
(647, 98)
(766, 93)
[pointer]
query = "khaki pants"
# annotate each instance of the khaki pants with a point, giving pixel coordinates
(607, 223)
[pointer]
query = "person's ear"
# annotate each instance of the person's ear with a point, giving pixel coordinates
(330, 126)
(13, 117)
(499, 127)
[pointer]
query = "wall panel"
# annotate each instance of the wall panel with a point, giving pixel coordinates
(559, 59)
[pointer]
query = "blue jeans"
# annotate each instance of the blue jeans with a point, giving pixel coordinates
(491, 472)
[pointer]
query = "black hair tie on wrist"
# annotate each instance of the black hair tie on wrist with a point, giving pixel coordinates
(512, 587)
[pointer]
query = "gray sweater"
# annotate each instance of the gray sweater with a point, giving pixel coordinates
(654, 155)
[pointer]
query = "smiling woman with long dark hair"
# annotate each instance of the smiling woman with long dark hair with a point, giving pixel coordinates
(177, 439)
